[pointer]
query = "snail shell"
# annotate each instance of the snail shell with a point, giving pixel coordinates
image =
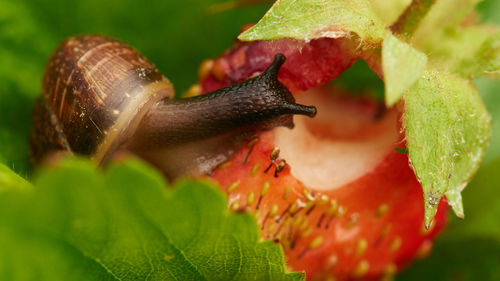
(95, 92)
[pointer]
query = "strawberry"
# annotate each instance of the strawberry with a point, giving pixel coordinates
(334, 192)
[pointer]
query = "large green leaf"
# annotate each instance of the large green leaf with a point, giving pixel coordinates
(82, 224)
(447, 132)
(310, 19)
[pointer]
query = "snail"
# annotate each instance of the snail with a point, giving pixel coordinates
(101, 96)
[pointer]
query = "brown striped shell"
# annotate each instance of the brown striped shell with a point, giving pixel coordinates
(95, 92)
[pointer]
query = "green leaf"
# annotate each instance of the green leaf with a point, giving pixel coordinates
(402, 66)
(443, 14)
(483, 205)
(450, 46)
(447, 131)
(469, 51)
(125, 224)
(311, 19)
(485, 61)
(464, 48)
(468, 250)
(447, 41)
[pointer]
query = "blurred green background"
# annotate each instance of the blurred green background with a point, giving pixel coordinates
(177, 36)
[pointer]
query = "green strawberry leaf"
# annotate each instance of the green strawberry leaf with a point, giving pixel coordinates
(402, 66)
(311, 19)
(469, 51)
(485, 61)
(483, 205)
(453, 45)
(443, 14)
(468, 251)
(447, 132)
(125, 224)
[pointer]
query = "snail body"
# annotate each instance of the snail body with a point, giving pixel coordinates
(101, 96)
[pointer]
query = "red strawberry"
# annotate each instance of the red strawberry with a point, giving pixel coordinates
(339, 198)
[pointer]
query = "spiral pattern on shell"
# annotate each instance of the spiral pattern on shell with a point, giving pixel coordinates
(95, 91)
